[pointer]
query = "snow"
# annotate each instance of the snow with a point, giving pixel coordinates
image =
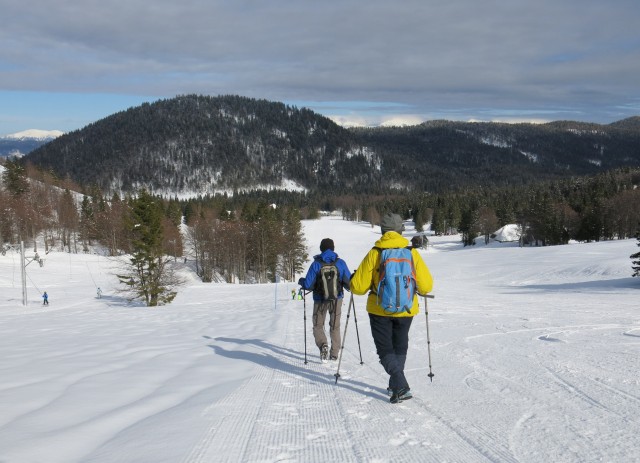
(35, 133)
(285, 185)
(508, 233)
(534, 351)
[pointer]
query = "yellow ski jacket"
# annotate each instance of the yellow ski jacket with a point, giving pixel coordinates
(367, 275)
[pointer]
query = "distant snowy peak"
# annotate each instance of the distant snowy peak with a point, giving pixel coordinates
(19, 144)
(34, 134)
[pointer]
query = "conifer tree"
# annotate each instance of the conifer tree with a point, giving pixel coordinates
(149, 276)
(87, 221)
(15, 178)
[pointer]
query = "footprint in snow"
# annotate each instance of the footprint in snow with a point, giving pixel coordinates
(431, 445)
(358, 414)
(318, 434)
(401, 438)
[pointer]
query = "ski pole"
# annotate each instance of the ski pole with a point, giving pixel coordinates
(304, 304)
(337, 375)
(355, 319)
(426, 312)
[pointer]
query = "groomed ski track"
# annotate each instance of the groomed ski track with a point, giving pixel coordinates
(287, 402)
(535, 354)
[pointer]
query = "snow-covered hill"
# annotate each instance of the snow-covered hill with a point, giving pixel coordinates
(21, 143)
(34, 134)
(534, 351)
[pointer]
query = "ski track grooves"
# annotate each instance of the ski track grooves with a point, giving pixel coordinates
(288, 402)
(231, 421)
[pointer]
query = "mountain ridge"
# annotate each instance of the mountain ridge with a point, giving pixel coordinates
(37, 134)
(203, 145)
(21, 143)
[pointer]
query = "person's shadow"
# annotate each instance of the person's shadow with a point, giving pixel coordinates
(277, 362)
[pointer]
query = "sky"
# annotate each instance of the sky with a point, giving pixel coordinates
(534, 352)
(66, 64)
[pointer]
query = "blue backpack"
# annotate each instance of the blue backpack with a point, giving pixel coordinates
(397, 285)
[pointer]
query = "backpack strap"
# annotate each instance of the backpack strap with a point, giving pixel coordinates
(372, 289)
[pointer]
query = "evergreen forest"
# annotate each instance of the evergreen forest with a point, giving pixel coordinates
(559, 182)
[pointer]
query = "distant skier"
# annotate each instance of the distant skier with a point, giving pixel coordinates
(99, 292)
(45, 299)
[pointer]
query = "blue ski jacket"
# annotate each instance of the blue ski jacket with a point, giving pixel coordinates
(328, 256)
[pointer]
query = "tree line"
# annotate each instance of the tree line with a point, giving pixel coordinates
(593, 208)
(254, 243)
(244, 238)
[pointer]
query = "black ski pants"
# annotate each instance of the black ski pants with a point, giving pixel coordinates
(391, 337)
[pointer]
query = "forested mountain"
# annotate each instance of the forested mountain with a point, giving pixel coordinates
(202, 144)
(197, 145)
(448, 154)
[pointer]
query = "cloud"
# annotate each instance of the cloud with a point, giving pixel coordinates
(550, 57)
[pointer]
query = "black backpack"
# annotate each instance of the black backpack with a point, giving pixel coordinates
(328, 283)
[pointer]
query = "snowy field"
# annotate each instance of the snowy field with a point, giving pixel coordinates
(535, 353)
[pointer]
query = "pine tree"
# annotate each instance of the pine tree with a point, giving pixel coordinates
(15, 178)
(87, 221)
(469, 226)
(419, 219)
(149, 275)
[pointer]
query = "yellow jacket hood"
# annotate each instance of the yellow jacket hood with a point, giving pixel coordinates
(392, 240)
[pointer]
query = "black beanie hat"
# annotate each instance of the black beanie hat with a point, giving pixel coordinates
(325, 244)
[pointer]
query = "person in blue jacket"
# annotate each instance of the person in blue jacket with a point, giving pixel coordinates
(321, 306)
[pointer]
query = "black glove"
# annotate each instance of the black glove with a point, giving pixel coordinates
(301, 282)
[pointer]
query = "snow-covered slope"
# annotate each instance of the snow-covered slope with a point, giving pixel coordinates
(534, 351)
(21, 143)
(35, 134)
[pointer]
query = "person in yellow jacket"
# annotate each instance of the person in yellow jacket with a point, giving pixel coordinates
(391, 331)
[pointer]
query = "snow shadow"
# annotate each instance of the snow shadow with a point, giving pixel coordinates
(276, 362)
(546, 337)
(294, 354)
(582, 286)
(119, 301)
